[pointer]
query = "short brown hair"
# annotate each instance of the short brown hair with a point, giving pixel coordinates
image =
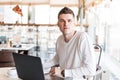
(66, 10)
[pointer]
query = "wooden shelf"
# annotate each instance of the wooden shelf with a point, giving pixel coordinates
(19, 24)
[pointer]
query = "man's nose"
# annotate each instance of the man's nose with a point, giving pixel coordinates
(66, 23)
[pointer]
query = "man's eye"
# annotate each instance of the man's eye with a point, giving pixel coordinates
(69, 20)
(61, 20)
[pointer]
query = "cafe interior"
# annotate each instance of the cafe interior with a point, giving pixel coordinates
(29, 27)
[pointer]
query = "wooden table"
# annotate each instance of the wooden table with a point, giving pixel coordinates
(4, 75)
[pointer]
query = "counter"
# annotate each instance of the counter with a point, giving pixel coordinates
(23, 47)
(6, 58)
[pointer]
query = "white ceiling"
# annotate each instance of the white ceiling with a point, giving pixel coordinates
(39, 2)
(55, 3)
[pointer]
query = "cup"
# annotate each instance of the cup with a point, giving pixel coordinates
(12, 73)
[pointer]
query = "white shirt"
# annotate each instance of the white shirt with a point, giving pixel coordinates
(76, 57)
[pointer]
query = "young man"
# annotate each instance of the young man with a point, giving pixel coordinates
(74, 50)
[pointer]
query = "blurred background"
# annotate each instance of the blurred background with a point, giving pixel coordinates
(34, 22)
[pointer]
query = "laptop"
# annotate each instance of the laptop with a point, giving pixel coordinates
(28, 67)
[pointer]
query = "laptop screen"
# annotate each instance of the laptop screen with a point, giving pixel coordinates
(28, 67)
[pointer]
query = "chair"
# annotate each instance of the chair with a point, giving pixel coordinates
(98, 74)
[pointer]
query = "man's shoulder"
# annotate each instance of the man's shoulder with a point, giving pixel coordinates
(60, 37)
(81, 33)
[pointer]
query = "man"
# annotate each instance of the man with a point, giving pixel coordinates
(74, 50)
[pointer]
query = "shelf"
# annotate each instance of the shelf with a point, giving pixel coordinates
(18, 24)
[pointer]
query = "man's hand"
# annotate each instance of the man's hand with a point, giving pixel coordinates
(52, 70)
(56, 71)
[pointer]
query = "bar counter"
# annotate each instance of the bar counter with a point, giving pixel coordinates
(6, 51)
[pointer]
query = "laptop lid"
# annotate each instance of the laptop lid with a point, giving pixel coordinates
(28, 67)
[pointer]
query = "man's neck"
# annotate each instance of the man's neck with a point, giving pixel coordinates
(67, 37)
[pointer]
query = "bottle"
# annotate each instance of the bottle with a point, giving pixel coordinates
(10, 43)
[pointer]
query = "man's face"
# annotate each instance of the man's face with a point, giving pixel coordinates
(66, 23)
